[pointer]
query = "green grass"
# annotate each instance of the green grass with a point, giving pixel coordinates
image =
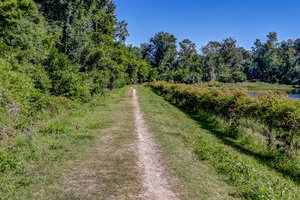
(176, 134)
(90, 154)
(252, 141)
(55, 162)
(203, 158)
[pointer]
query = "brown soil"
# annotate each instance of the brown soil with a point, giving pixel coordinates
(154, 176)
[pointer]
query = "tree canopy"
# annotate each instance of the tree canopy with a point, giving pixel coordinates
(77, 49)
(271, 61)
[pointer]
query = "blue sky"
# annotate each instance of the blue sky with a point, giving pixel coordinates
(206, 20)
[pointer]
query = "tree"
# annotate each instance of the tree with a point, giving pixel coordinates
(121, 31)
(211, 60)
(11, 12)
(161, 52)
(20, 23)
(290, 65)
(188, 64)
(83, 23)
(267, 58)
(136, 51)
(232, 56)
(147, 51)
(238, 76)
(187, 50)
(164, 49)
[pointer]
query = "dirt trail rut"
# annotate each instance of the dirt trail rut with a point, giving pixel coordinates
(154, 179)
(108, 167)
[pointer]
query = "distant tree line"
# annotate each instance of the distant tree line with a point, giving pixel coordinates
(76, 49)
(271, 61)
(54, 53)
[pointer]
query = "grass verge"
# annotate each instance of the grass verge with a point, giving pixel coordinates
(46, 164)
(177, 134)
(182, 137)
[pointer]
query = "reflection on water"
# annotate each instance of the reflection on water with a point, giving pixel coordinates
(294, 96)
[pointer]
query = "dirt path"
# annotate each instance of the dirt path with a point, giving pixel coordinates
(123, 162)
(108, 169)
(154, 178)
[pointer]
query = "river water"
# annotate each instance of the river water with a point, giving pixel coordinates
(293, 94)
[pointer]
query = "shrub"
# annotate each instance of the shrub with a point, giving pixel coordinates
(280, 114)
(225, 78)
(252, 183)
(238, 77)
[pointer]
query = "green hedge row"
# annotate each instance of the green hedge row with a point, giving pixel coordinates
(277, 112)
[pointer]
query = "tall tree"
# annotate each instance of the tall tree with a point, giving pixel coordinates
(211, 60)
(83, 22)
(232, 55)
(289, 70)
(161, 52)
(147, 52)
(267, 58)
(121, 31)
(189, 66)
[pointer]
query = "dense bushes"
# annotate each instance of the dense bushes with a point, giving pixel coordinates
(49, 60)
(24, 97)
(275, 112)
(278, 113)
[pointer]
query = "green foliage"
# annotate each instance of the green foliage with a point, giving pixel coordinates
(66, 80)
(278, 113)
(281, 116)
(276, 61)
(8, 162)
(225, 78)
(225, 61)
(55, 53)
(12, 10)
(252, 86)
(55, 128)
(161, 51)
(238, 76)
(35, 159)
(183, 66)
(252, 184)
(274, 111)
(26, 39)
